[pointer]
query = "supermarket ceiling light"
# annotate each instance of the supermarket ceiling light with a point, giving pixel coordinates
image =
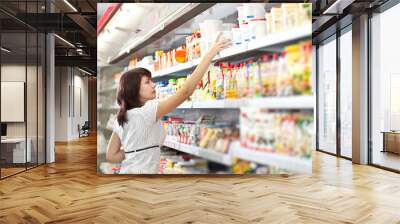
(337, 7)
(5, 50)
(64, 40)
(70, 5)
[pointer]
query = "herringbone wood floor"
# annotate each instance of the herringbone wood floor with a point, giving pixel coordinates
(70, 191)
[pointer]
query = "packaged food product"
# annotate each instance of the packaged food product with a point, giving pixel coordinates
(248, 12)
(257, 28)
(268, 76)
(227, 80)
(305, 12)
(180, 56)
(255, 86)
(295, 68)
(219, 76)
(196, 44)
(284, 86)
(244, 32)
(213, 83)
(242, 81)
(268, 20)
(258, 10)
(236, 35)
(277, 22)
(288, 133)
(299, 58)
(241, 17)
(290, 15)
(234, 87)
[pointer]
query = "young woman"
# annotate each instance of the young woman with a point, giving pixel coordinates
(138, 133)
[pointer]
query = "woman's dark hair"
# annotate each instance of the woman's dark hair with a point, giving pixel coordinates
(128, 92)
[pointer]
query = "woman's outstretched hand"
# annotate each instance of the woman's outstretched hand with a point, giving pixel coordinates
(172, 102)
(220, 44)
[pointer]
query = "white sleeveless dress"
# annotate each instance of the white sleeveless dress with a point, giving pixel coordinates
(141, 131)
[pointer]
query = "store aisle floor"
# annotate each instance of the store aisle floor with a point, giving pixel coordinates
(71, 191)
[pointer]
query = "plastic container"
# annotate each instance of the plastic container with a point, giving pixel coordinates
(241, 18)
(290, 15)
(203, 30)
(257, 28)
(268, 21)
(228, 26)
(242, 81)
(258, 10)
(236, 36)
(265, 75)
(248, 12)
(245, 32)
(305, 12)
(212, 27)
(283, 77)
(277, 22)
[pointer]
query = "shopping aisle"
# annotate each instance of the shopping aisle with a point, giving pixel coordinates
(71, 191)
(252, 110)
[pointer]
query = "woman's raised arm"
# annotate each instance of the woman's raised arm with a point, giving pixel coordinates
(171, 103)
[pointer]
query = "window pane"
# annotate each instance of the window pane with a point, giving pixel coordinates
(327, 96)
(385, 88)
(346, 93)
(14, 149)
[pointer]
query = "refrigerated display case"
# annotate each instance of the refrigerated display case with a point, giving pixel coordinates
(267, 71)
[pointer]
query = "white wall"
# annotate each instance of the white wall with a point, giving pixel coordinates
(61, 103)
(69, 82)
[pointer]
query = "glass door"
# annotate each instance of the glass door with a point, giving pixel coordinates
(327, 95)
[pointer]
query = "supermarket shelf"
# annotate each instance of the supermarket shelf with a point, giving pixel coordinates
(270, 40)
(289, 102)
(281, 38)
(186, 105)
(284, 162)
(178, 68)
(208, 154)
(170, 23)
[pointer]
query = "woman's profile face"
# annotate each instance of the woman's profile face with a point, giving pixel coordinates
(147, 89)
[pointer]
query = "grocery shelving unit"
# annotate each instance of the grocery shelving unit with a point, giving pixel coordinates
(287, 102)
(209, 154)
(271, 43)
(236, 151)
(272, 159)
(273, 40)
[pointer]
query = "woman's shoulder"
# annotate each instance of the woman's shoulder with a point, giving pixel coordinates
(148, 107)
(147, 111)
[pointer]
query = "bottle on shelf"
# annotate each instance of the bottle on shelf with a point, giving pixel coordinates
(219, 82)
(242, 80)
(254, 88)
(268, 76)
(284, 87)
